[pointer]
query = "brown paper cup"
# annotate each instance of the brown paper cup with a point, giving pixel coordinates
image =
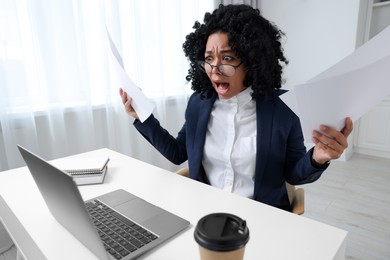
(206, 254)
(221, 236)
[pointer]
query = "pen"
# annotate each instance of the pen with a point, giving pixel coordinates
(105, 164)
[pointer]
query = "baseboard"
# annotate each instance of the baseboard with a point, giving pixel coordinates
(372, 152)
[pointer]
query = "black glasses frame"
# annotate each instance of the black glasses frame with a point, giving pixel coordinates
(201, 65)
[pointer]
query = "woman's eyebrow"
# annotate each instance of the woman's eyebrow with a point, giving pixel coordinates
(226, 51)
(222, 51)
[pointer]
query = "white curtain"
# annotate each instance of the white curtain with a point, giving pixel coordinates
(57, 94)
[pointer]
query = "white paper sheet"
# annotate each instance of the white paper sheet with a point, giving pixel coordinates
(141, 104)
(349, 88)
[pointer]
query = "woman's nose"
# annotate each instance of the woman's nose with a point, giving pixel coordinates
(215, 65)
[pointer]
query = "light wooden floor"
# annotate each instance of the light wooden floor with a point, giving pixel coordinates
(354, 196)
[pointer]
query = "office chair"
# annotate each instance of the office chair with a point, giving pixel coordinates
(297, 198)
(295, 195)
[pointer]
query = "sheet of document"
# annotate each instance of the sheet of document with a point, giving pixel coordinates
(351, 87)
(141, 104)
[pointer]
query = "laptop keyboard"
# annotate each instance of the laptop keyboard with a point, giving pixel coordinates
(120, 235)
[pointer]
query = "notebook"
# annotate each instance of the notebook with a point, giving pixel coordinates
(86, 177)
(85, 170)
(87, 165)
(67, 206)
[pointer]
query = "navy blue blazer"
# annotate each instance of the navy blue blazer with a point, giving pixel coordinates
(281, 154)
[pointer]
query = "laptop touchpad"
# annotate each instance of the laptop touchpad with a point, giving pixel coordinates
(138, 210)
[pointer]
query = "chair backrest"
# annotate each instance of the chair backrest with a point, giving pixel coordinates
(184, 172)
(296, 197)
(290, 192)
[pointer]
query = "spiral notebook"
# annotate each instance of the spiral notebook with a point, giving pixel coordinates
(90, 170)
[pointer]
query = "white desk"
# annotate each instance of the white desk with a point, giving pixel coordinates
(274, 234)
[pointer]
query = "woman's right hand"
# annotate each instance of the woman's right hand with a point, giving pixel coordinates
(127, 103)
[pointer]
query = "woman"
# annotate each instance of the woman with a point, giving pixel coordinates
(238, 135)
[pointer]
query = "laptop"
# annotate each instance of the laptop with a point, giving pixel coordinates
(116, 225)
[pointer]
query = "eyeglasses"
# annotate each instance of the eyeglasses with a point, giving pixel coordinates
(225, 69)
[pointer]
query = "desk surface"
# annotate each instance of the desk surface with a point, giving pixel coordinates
(274, 234)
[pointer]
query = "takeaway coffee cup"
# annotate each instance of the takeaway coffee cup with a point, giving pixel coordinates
(221, 236)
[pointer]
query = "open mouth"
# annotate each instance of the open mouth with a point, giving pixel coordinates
(222, 86)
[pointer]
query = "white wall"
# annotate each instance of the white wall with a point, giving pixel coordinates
(318, 33)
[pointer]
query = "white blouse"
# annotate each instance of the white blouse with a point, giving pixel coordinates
(229, 155)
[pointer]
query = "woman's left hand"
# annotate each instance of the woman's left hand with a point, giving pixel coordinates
(331, 143)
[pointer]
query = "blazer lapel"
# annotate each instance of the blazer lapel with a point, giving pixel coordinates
(201, 130)
(264, 116)
(203, 119)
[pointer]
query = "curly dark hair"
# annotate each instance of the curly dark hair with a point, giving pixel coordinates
(255, 40)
